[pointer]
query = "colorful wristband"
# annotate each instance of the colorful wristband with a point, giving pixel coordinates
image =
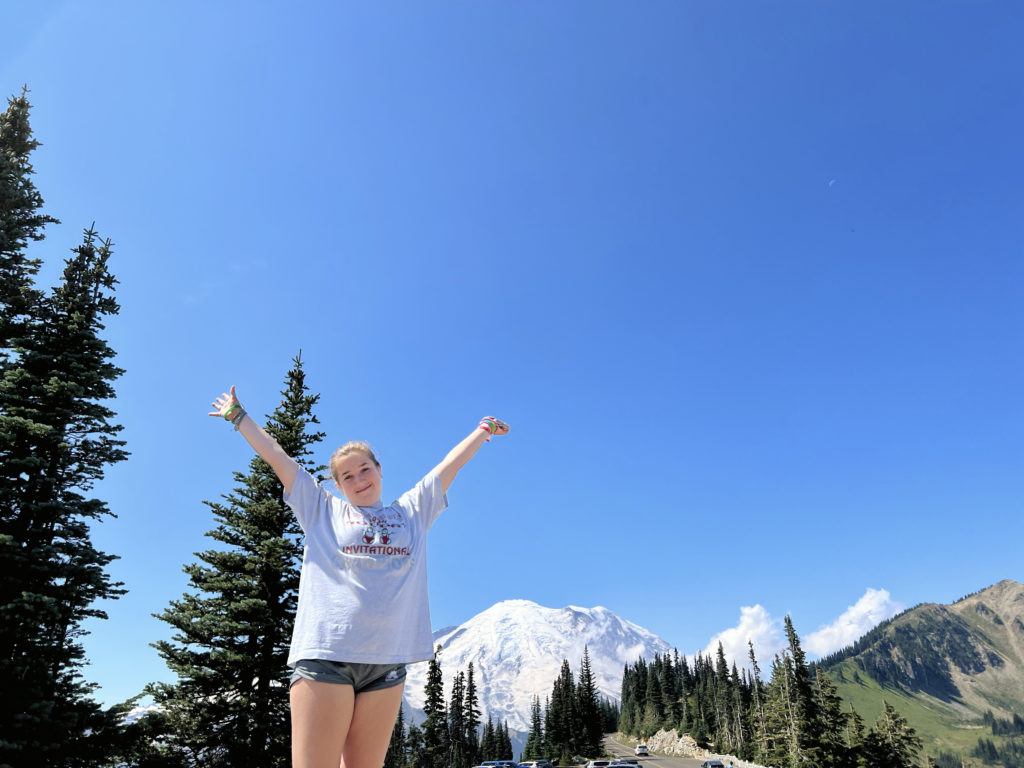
(229, 410)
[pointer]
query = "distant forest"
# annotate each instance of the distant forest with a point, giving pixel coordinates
(797, 718)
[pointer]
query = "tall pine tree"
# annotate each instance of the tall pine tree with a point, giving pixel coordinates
(471, 711)
(534, 747)
(592, 729)
(892, 743)
(457, 746)
(229, 706)
(435, 724)
(56, 439)
(21, 221)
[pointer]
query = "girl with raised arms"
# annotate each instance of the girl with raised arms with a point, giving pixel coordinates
(362, 613)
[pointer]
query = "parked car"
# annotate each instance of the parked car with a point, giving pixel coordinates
(712, 764)
(641, 750)
(598, 764)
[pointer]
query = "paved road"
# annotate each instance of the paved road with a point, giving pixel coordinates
(654, 761)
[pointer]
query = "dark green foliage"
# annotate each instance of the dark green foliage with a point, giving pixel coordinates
(471, 713)
(396, 755)
(229, 706)
(503, 742)
(588, 710)
(21, 221)
(488, 742)
(1001, 727)
(56, 439)
(947, 760)
(796, 719)
(534, 747)
(1009, 754)
(418, 757)
(562, 730)
(609, 712)
(892, 743)
(458, 741)
(435, 727)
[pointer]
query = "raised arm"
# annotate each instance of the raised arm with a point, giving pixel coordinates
(284, 466)
(464, 451)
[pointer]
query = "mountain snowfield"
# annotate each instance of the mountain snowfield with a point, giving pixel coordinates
(517, 648)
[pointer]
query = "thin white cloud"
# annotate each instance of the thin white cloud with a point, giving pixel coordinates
(756, 626)
(874, 607)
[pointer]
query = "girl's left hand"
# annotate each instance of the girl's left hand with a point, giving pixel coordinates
(500, 427)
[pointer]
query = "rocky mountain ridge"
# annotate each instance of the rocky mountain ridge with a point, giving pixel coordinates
(962, 659)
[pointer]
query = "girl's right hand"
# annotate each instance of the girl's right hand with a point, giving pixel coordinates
(228, 401)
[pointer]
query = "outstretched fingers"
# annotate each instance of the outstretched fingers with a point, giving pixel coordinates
(224, 402)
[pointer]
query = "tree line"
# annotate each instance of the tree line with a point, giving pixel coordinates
(796, 718)
(572, 722)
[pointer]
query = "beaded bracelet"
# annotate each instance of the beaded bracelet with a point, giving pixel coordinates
(489, 424)
(236, 421)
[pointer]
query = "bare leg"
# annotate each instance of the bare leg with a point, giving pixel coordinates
(321, 716)
(373, 720)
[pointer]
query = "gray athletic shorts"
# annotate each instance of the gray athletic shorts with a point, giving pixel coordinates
(362, 677)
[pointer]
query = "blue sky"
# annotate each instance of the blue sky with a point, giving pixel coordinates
(744, 277)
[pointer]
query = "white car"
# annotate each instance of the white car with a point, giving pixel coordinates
(641, 750)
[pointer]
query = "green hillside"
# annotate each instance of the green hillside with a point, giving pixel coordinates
(943, 667)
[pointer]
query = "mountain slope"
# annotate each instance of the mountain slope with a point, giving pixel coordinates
(517, 648)
(942, 666)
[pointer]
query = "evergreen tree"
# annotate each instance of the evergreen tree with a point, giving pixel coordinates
(856, 755)
(757, 714)
(233, 630)
(671, 693)
(435, 725)
(808, 723)
(503, 742)
(833, 750)
(892, 743)
(591, 728)
(609, 715)
(457, 749)
(21, 220)
(781, 738)
(56, 439)
(488, 744)
(395, 757)
(722, 696)
(418, 757)
(561, 726)
(534, 748)
(471, 711)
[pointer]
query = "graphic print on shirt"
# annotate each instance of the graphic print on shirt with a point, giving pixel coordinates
(379, 534)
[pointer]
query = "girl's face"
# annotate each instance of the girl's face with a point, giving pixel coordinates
(359, 479)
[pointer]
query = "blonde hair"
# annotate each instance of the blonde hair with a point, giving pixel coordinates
(352, 446)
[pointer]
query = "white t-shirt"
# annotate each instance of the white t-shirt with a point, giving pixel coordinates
(363, 588)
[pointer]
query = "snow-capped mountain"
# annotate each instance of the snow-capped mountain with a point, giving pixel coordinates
(517, 648)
